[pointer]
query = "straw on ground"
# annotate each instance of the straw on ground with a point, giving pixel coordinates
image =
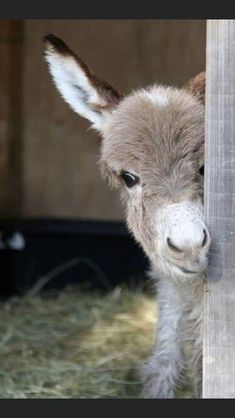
(75, 343)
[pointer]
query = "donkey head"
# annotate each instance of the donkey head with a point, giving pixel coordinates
(153, 149)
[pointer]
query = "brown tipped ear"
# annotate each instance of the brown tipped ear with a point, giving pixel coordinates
(197, 86)
(88, 95)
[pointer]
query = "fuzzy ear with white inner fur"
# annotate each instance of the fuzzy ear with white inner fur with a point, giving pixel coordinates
(88, 95)
(197, 86)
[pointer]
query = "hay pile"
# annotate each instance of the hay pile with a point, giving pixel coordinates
(75, 343)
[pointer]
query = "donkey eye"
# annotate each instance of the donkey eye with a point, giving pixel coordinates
(201, 170)
(129, 179)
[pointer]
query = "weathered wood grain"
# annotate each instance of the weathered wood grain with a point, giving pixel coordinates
(219, 306)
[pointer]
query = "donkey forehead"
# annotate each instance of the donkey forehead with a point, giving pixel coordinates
(160, 123)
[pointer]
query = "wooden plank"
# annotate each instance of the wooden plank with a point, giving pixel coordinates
(219, 313)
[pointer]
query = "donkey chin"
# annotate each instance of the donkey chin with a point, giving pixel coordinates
(182, 254)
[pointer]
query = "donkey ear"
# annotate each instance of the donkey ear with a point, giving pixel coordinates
(80, 88)
(197, 86)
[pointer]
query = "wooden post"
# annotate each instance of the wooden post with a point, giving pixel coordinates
(219, 313)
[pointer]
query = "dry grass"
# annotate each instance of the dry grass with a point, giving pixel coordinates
(75, 344)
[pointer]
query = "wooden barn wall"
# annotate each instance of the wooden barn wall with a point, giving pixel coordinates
(11, 42)
(59, 172)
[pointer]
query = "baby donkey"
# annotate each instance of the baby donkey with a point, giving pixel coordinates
(152, 148)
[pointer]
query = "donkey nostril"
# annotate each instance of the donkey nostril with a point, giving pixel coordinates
(173, 247)
(205, 238)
